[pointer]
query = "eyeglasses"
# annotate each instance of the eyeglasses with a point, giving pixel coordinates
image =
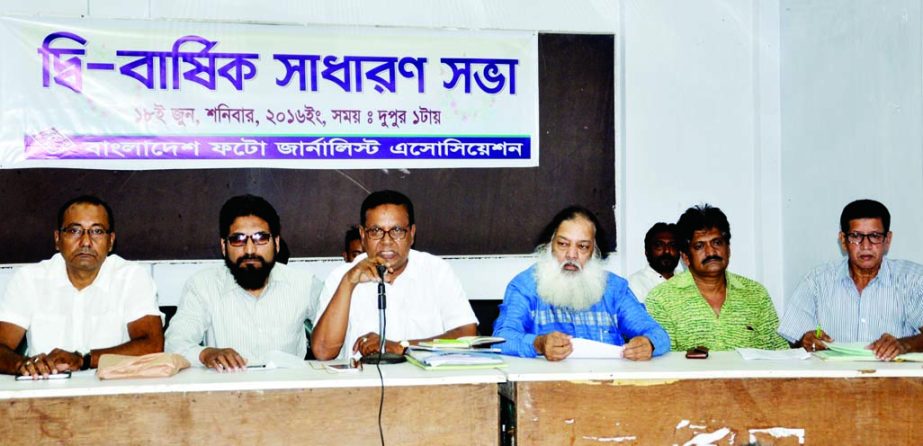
(259, 238)
(396, 233)
(76, 232)
(856, 238)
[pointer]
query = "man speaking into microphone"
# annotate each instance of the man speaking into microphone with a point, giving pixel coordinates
(425, 298)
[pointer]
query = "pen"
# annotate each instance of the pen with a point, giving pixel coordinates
(256, 366)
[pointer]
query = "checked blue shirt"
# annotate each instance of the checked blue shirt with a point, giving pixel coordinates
(615, 319)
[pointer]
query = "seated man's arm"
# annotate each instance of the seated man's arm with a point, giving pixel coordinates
(10, 337)
(145, 328)
(660, 315)
(515, 323)
(454, 311)
(369, 343)
(800, 320)
(767, 324)
(16, 308)
(639, 328)
(145, 336)
(189, 324)
(887, 346)
(330, 327)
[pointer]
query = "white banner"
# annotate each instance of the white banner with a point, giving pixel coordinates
(143, 95)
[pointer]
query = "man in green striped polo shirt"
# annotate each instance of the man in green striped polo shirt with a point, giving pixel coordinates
(707, 305)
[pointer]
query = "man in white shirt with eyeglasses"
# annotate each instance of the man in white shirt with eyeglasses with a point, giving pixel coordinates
(80, 304)
(425, 298)
(234, 315)
(865, 297)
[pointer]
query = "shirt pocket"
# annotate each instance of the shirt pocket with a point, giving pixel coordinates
(47, 332)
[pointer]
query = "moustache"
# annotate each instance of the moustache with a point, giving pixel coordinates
(246, 257)
(571, 263)
(712, 258)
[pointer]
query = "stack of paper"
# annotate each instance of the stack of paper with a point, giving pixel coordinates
(857, 351)
(447, 360)
(462, 343)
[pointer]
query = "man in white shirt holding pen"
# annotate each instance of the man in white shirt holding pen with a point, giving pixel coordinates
(249, 306)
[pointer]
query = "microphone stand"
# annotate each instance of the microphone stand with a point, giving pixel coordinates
(382, 357)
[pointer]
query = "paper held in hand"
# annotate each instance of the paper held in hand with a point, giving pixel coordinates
(587, 349)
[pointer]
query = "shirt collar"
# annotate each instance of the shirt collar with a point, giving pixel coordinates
(59, 268)
(685, 280)
(653, 273)
(231, 286)
(883, 276)
(412, 270)
(733, 280)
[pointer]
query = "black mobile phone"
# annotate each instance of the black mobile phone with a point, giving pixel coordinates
(59, 375)
(697, 353)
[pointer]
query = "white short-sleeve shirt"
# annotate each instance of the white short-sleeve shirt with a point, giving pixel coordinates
(427, 299)
(41, 299)
(645, 279)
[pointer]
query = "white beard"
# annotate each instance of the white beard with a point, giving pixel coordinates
(577, 290)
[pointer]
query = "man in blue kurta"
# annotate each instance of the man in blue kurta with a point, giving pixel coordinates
(568, 293)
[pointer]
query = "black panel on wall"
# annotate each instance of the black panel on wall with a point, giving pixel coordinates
(173, 214)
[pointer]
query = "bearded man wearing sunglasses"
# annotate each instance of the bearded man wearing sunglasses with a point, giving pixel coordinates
(249, 306)
(865, 297)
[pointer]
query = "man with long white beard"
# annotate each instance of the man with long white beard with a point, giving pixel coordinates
(249, 306)
(568, 293)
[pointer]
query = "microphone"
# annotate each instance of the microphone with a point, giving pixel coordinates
(382, 304)
(382, 357)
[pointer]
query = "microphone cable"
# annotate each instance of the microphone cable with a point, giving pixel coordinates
(381, 399)
(381, 347)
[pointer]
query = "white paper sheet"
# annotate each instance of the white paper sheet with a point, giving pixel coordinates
(587, 349)
(794, 354)
(284, 360)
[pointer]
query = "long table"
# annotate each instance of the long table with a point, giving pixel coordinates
(668, 400)
(283, 406)
(719, 400)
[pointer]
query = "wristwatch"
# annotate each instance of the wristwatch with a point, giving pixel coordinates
(86, 360)
(405, 344)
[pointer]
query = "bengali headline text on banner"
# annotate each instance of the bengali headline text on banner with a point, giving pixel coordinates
(140, 95)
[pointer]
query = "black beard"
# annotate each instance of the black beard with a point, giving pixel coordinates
(249, 277)
(664, 264)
